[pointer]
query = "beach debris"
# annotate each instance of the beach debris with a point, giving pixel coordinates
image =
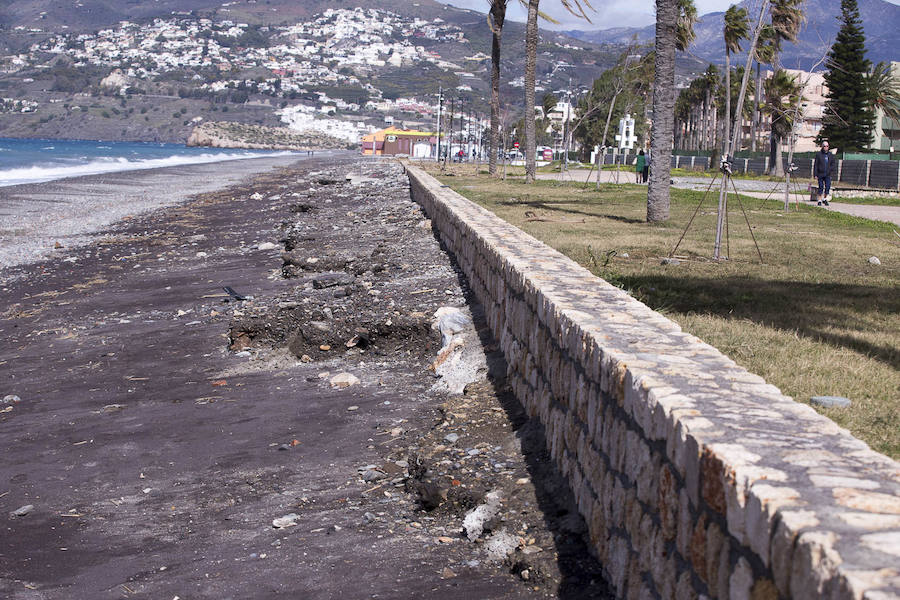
(874, 260)
(266, 246)
(11, 399)
(344, 380)
(288, 520)
(461, 359)
(326, 280)
(830, 401)
(22, 511)
(500, 545)
(233, 294)
(479, 518)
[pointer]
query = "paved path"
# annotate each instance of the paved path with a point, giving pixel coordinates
(752, 188)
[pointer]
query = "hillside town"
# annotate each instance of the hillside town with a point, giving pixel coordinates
(334, 52)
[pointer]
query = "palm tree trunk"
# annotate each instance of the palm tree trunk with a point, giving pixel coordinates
(497, 17)
(704, 121)
(531, 40)
(663, 111)
(725, 124)
(754, 124)
(775, 157)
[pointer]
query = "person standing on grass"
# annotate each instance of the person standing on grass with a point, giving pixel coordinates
(824, 165)
(640, 163)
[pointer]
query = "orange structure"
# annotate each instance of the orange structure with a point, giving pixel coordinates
(392, 141)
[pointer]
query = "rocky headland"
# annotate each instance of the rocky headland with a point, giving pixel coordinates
(224, 134)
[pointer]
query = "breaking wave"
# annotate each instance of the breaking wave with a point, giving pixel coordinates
(52, 170)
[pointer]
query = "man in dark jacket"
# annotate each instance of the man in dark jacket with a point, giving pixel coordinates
(824, 165)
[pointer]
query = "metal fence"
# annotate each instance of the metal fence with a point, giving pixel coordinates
(884, 174)
(878, 174)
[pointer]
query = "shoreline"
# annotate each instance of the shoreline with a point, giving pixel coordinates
(34, 217)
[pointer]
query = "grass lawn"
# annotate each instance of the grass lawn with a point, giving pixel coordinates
(815, 318)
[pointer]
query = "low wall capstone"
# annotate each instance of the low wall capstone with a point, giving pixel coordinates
(696, 478)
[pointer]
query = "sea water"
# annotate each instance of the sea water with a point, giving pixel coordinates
(37, 160)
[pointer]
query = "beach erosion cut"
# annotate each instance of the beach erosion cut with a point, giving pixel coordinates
(36, 219)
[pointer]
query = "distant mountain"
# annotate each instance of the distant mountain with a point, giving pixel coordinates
(881, 22)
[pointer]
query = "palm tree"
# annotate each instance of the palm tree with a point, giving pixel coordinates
(531, 41)
(782, 95)
(674, 30)
(577, 8)
(496, 18)
(737, 28)
(787, 18)
(884, 90)
(764, 53)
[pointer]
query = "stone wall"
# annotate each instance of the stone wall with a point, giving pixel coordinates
(696, 477)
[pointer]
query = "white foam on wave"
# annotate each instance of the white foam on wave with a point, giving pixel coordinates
(99, 166)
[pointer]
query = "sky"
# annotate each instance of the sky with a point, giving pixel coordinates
(614, 13)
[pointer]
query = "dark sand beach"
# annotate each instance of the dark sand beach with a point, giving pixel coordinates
(162, 439)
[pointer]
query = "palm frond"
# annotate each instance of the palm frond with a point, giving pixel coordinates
(687, 18)
(737, 28)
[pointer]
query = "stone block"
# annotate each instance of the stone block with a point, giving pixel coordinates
(685, 524)
(617, 562)
(633, 516)
(606, 368)
(594, 409)
(597, 528)
(665, 576)
(762, 504)
(667, 504)
(684, 589)
(649, 543)
(741, 581)
(617, 503)
(633, 580)
(723, 574)
(763, 589)
(713, 475)
(648, 476)
(697, 548)
(715, 543)
(814, 564)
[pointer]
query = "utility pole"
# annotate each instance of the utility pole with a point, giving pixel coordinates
(450, 132)
(437, 156)
(566, 116)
